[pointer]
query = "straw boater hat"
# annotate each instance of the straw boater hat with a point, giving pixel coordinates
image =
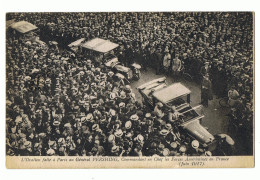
(134, 117)
(129, 135)
(168, 126)
(122, 104)
(28, 144)
(42, 135)
(88, 61)
(89, 117)
(81, 102)
(56, 123)
(122, 95)
(115, 149)
(140, 138)
(147, 115)
(128, 87)
(118, 133)
(67, 125)
(36, 145)
(83, 119)
(128, 124)
(208, 153)
(111, 138)
(50, 152)
(183, 149)
(195, 144)
(112, 96)
(166, 152)
(27, 78)
(61, 140)
(164, 132)
(174, 145)
(161, 146)
(95, 127)
(110, 73)
(51, 143)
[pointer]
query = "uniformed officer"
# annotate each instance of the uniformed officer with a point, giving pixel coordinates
(206, 90)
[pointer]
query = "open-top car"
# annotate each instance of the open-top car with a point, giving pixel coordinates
(74, 46)
(104, 52)
(28, 31)
(118, 68)
(100, 49)
(179, 96)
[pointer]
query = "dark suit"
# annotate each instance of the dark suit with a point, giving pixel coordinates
(158, 62)
(206, 91)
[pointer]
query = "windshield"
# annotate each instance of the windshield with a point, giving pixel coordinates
(109, 56)
(189, 114)
(177, 102)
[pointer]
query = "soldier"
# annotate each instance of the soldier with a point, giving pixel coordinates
(167, 62)
(206, 90)
(176, 67)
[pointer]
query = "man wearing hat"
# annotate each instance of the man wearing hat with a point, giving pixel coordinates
(159, 109)
(158, 60)
(206, 90)
(167, 62)
(176, 67)
(220, 81)
(115, 150)
(194, 149)
(205, 69)
(51, 152)
(37, 149)
(233, 96)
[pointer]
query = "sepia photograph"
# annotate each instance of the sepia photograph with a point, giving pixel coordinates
(108, 88)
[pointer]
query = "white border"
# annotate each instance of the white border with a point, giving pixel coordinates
(120, 5)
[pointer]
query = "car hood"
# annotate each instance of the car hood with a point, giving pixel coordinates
(194, 128)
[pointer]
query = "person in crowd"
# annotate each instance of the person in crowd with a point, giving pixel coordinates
(206, 90)
(176, 67)
(158, 61)
(233, 96)
(167, 62)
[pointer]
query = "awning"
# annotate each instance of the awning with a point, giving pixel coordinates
(100, 45)
(23, 26)
(171, 92)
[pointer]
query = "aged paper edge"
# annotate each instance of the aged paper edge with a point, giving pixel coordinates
(79, 162)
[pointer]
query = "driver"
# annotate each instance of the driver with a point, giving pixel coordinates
(159, 109)
(174, 115)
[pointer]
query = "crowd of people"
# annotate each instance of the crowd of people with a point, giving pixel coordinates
(61, 104)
